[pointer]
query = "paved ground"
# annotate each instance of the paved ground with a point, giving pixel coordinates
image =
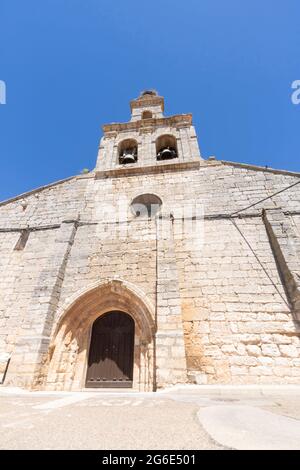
(201, 417)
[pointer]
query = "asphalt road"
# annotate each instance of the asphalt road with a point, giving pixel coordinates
(186, 418)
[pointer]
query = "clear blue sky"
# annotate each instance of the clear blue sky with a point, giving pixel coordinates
(72, 65)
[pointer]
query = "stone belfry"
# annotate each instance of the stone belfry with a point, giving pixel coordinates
(149, 139)
(148, 145)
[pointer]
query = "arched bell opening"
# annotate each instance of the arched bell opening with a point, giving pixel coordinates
(128, 151)
(146, 115)
(166, 147)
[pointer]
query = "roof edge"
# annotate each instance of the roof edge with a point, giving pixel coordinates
(37, 190)
(260, 168)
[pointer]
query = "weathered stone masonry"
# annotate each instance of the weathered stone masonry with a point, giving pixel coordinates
(220, 305)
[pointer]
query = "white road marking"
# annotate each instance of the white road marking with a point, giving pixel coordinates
(19, 422)
(114, 402)
(61, 402)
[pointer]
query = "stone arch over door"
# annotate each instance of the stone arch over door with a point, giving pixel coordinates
(69, 349)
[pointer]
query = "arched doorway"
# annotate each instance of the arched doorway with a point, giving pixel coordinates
(71, 338)
(110, 361)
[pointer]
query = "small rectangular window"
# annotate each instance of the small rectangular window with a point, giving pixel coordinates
(21, 243)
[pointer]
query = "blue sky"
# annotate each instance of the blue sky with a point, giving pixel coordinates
(72, 65)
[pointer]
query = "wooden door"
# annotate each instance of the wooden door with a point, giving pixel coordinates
(110, 362)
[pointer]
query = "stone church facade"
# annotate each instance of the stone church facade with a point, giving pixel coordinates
(157, 268)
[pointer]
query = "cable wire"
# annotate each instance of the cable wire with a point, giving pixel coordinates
(260, 263)
(265, 199)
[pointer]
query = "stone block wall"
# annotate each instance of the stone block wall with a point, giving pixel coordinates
(239, 327)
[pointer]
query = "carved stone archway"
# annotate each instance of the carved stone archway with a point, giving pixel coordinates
(68, 352)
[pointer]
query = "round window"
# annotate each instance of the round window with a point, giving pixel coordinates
(146, 205)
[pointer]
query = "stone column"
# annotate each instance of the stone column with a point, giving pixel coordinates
(31, 348)
(285, 245)
(171, 365)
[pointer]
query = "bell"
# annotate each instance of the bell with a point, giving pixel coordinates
(166, 154)
(128, 158)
